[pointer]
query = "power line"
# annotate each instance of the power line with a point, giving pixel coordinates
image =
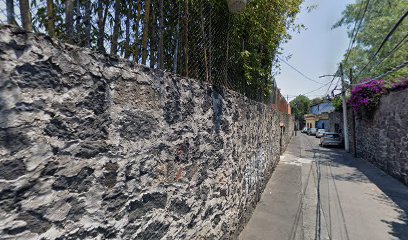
(405, 64)
(384, 41)
(399, 67)
(354, 37)
(331, 82)
(308, 78)
(317, 89)
(396, 48)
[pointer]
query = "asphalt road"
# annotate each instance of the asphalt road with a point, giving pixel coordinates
(324, 193)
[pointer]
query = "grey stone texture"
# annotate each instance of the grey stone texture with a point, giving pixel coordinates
(94, 147)
(382, 137)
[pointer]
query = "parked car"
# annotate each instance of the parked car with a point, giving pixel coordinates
(320, 133)
(304, 130)
(331, 139)
(311, 131)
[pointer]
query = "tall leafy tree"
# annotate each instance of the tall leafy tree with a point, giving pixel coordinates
(194, 38)
(380, 17)
(300, 106)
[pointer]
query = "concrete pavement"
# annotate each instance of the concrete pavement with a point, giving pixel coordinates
(324, 193)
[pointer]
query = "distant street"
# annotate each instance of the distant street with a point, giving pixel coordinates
(324, 193)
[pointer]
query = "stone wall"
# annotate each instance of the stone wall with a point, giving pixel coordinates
(382, 138)
(92, 147)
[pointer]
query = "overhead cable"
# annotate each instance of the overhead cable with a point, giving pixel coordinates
(354, 36)
(308, 78)
(390, 53)
(387, 37)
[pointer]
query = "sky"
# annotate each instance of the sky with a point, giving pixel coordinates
(315, 51)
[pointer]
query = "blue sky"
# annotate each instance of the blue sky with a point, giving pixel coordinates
(315, 51)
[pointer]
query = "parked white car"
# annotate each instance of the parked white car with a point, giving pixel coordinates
(311, 131)
(331, 139)
(320, 133)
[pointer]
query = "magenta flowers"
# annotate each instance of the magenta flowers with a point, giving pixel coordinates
(367, 95)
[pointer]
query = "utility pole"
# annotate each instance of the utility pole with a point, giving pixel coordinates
(345, 127)
(353, 117)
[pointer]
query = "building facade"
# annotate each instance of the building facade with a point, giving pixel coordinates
(319, 116)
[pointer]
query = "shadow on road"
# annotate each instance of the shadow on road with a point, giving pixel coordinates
(392, 188)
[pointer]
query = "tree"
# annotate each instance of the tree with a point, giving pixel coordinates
(152, 27)
(26, 15)
(50, 18)
(102, 9)
(380, 17)
(69, 20)
(116, 28)
(145, 31)
(316, 101)
(195, 38)
(136, 35)
(337, 104)
(300, 106)
(160, 35)
(128, 11)
(10, 12)
(87, 22)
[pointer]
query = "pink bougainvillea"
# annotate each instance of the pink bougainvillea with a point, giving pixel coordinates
(400, 85)
(367, 95)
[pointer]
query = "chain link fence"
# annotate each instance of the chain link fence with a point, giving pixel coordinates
(198, 39)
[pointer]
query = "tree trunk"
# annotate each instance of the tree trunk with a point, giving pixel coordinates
(101, 27)
(127, 37)
(87, 22)
(186, 39)
(152, 35)
(139, 17)
(26, 15)
(50, 18)
(177, 44)
(145, 31)
(115, 37)
(69, 19)
(203, 36)
(78, 22)
(10, 12)
(160, 36)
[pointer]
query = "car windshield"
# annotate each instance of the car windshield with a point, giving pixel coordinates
(321, 130)
(333, 136)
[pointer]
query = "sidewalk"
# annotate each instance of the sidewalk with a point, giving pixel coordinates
(278, 214)
(324, 193)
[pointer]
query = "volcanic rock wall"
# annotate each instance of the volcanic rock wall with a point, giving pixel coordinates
(93, 147)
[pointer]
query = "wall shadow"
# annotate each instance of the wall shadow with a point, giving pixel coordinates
(391, 187)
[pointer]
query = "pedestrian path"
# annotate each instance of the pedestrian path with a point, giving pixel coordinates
(324, 193)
